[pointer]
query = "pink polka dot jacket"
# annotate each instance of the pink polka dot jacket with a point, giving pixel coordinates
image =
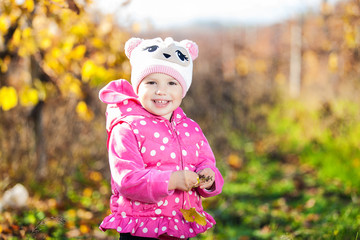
(144, 149)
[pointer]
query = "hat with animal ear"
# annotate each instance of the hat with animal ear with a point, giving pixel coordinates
(157, 56)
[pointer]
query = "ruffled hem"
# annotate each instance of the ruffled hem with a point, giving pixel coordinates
(153, 227)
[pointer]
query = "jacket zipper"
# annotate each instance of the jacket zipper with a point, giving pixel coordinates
(180, 153)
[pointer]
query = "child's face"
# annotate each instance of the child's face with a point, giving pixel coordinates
(160, 94)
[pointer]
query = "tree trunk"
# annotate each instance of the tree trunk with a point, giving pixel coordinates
(41, 156)
(295, 59)
(37, 117)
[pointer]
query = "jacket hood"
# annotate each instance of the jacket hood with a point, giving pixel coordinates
(122, 101)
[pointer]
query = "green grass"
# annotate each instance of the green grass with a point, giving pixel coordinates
(300, 180)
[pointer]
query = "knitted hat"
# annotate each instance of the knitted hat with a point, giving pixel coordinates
(157, 56)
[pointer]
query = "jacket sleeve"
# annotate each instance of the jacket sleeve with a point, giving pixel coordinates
(207, 160)
(128, 172)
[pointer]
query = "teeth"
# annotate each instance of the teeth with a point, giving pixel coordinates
(161, 101)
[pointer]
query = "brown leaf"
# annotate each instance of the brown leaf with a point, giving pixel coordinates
(235, 161)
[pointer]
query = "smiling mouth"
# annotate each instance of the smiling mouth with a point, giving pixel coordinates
(161, 102)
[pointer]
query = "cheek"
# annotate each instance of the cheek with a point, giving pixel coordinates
(178, 100)
(142, 93)
(178, 92)
(142, 98)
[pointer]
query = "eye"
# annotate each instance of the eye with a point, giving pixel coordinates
(151, 48)
(173, 83)
(181, 56)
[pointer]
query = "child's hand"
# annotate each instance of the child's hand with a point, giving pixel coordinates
(183, 180)
(207, 178)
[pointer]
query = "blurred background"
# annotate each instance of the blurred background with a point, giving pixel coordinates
(275, 89)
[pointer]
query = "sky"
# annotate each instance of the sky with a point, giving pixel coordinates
(169, 13)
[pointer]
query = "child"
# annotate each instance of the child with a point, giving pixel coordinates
(156, 153)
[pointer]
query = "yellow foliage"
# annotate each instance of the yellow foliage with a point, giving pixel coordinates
(80, 29)
(350, 36)
(44, 37)
(16, 39)
(59, 38)
(242, 66)
(27, 46)
(100, 58)
(4, 23)
(333, 62)
(29, 5)
(97, 42)
(54, 65)
(95, 176)
(52, 60)
(351, 9)
(75, 87)
(55, 53)
(71, 85)
(261, 66)
(27, 49)
(45, 43)
(88, 69)
(8, 98)
(68, 44)
(27, 33)
(84, 112)
(78, 52)
(4, 64)
(87, 192)
(70, 215)
(84, 228)
(40, 88)
(14, 14)
(29, 96)
(350, 39)
(61, 3)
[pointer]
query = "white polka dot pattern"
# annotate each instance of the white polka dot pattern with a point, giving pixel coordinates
(170, 146)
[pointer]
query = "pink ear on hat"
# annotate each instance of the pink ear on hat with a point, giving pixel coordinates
(192, 47)
(131, 44)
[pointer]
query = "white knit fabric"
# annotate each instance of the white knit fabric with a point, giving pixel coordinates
(157, 56)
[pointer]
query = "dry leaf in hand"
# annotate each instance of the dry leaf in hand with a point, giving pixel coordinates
(191, 215)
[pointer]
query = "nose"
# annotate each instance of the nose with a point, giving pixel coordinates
(160, 91)
(166, 55)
